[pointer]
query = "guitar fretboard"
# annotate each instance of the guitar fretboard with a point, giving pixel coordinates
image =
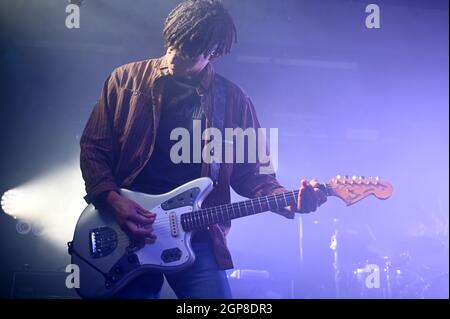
(223, 213)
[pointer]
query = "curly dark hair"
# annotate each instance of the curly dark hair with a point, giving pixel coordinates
(200, 26)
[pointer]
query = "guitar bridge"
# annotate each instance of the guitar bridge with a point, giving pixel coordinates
(103, 241)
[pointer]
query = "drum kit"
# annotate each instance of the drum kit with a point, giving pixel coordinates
(414, 268)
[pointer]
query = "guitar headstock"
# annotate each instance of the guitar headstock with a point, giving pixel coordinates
(353, 189)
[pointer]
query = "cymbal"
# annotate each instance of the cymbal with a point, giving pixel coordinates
(422, 246)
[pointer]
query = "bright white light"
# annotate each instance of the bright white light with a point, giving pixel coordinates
(50, 203)
(11, 202)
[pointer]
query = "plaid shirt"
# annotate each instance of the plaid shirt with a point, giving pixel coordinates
(119, 138)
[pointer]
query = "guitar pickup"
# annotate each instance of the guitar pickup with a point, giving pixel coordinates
(173, 224)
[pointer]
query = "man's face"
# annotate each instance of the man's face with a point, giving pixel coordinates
(183, 66)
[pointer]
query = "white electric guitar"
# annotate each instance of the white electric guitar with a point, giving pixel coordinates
(108, 258)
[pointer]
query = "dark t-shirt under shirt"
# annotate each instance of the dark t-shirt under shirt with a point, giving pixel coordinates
(181, 105)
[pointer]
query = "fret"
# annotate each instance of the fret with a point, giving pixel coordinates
(211, 215)
(247, 207)
(191, 220)
(208, 212)
(247, 210)
(221, 209)
(239, 209)
(202, 214)
(238, 206)
(294, 196)
(224, 216)
(233, 209)
(245, 213)
(226, 210)
(222, 213)
(285, 200)
(268, 204)
(208, 216)
(242, 209)
(261, 205)
(213, 220)
(196, 220)
(201, 218)
(191, 224)
(253, 207)
(199, 221)
(216, 214)
(276, 202)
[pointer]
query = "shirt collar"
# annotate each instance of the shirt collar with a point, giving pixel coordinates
(206, 77)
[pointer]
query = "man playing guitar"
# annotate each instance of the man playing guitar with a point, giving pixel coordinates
(127, 143)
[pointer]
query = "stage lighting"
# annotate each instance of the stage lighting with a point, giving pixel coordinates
(48, 206)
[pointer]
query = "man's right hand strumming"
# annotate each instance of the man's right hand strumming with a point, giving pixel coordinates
(131, 217)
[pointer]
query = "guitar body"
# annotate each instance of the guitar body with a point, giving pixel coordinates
(108, 258)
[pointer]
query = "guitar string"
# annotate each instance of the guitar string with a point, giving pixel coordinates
(207, 216)
(200, 216)
(209, 213)
(218, 211)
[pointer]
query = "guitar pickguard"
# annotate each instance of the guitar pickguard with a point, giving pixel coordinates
(186, 198)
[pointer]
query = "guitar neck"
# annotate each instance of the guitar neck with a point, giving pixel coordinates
(209, 216)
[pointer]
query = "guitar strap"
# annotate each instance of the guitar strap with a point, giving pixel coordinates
(218, 121)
